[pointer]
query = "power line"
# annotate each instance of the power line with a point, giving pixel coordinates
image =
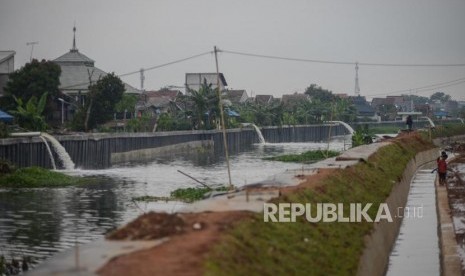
(150, 68)
(287, 58)
(168, 63)
(417, 89)
(424, 88)
(344, 62)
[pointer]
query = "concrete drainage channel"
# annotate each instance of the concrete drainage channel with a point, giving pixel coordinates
(416, 251)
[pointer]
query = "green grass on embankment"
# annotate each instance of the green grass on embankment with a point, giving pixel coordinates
(448, 130)
(255, 247)
(35, 177)
(372, 130)
(306, 157)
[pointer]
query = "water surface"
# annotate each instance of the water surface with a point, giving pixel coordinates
(42, 222)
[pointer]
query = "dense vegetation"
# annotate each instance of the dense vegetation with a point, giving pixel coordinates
(197, 109)
(306, 157)
(193, 194)
(34, 177)
(448, 130)
(183, 194)
(34, 79)
(305, 248)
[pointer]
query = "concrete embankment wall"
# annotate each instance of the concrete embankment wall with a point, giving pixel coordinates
(378, 245)
(101, 150)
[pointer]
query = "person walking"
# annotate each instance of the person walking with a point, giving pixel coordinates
(442, 168)
(409, 122)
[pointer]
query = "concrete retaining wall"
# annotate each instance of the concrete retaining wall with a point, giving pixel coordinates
(100, 150)
(151, 153)
(379, 244)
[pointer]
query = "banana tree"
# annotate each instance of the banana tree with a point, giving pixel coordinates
(29, 115)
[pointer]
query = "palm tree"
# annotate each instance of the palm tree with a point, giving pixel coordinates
(344, 110)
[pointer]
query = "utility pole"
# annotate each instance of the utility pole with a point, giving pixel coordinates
(142, 79)
(220, 104)
(412, 106)
(357, 87)
(32, 43)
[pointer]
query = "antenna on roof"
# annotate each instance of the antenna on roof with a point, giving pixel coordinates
(32, 43)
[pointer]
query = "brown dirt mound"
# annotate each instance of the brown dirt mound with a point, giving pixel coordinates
(181, 254)
(150, 226)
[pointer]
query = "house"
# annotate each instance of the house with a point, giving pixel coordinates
(77, 70)
(195, 80)
(377, 102)
(236, 96)
(401, 103)
(157, 102)
(263, 99)
(364, 110)
(425, 109)
(292, 100)
(342, 95)
(7, 64)
(452, 107)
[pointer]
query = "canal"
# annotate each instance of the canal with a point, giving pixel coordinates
(41, 222)
(416, 251)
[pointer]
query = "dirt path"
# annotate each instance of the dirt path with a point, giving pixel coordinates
(185, 251)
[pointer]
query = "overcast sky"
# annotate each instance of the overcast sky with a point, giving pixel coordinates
(123, 36)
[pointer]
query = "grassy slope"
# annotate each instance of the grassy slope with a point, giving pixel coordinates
(258, 248)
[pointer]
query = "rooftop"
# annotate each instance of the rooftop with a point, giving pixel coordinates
(4, 55)
(77, 68)
(73, 57)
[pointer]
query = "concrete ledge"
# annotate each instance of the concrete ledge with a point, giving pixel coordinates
(450, 259)
(378, 245)
(361, 152)
(151, 153)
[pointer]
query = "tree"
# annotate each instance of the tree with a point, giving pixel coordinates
(101, 102)
(205, 106)
(262, 114)
(344, 110)
(127, 103)
(462, 112)
(29, 116)
(320, 94)
(416, 99)
(34, 80)
(140, 124)
(440, 96)
(387, 112)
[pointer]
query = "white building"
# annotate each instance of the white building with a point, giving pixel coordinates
(7, 66)
(195, 80)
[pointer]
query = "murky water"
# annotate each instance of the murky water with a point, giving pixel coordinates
(42, 222)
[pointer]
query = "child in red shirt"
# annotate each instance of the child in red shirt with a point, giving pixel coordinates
(442, 169)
